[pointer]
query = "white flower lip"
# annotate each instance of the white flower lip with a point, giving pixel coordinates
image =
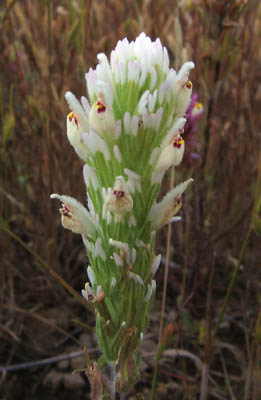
(101, 118)
(183, 73)
(78, 110)
(74, 135)
(161, 213)
(118, 200)
(75, 216)
(171, 155)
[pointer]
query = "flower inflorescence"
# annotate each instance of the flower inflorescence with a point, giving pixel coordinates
(128, 133)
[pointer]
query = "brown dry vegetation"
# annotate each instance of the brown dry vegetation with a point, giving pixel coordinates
(45, 47)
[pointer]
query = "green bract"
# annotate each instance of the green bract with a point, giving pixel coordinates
(128, 133)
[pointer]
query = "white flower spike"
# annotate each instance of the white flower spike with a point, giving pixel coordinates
(128, 131)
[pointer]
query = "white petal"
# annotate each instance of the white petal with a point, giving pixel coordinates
(183, 100)
(165, 60)
(86, 105)
(74, 135)
(174, 131)
(133, 71)
(183, 73)
(170, 155)
(91, 79)
(102, 122)
(105, 72)
(152, 101)
(171, 77)
(143, 102)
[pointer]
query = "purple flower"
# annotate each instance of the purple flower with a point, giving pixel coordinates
(193, 114)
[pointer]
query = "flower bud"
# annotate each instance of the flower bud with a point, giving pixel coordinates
(118, 199)
(183, 74)
(162, 212)
(75, 217)
(78, 110)
(101, 118)
(88, 292)
(171, 154)
(74, 134)
(184, 98)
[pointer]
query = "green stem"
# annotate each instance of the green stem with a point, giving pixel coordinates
(232, 282)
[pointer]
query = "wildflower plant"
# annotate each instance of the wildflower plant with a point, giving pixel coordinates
(128, 134)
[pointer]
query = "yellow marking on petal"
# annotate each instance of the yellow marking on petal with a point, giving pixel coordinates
(100, 107)
(178, 142)
(71, 116)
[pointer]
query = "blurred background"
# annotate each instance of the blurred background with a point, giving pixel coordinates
(45, 49)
